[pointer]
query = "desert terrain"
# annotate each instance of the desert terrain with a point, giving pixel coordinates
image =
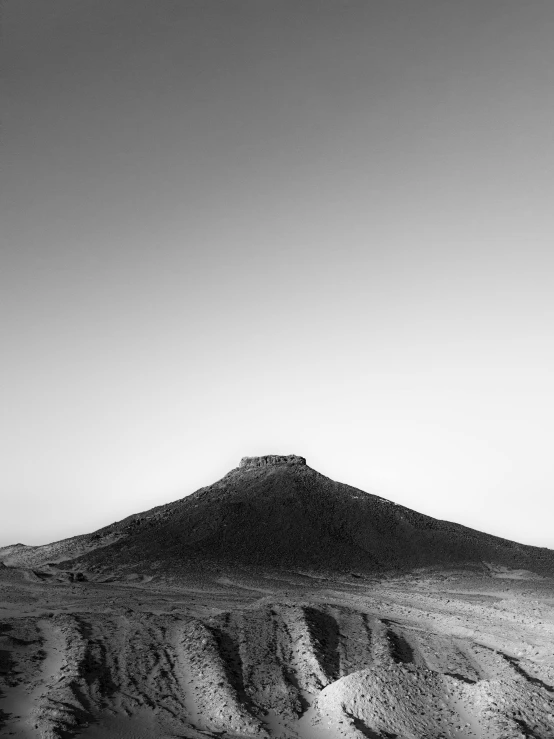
(121, 634)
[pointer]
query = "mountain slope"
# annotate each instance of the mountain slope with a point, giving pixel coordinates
(278, 512)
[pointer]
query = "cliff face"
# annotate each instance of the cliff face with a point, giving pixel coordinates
(270, 460)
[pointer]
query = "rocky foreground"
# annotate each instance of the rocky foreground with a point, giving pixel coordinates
(237, 655)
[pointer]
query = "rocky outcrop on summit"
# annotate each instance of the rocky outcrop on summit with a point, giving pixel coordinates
(271, 460)
(276, 512)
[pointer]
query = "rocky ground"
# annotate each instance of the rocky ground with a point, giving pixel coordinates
(236, 652)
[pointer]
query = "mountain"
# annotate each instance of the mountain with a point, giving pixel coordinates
(275, 511)
(233, 613)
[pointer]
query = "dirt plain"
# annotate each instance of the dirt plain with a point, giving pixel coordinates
(228, 649)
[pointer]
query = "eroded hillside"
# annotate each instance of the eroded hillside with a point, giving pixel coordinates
(456, 656)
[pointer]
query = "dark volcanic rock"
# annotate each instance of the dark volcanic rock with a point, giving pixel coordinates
(271, 460)
(277, 512)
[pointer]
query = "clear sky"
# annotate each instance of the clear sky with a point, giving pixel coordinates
(243, 227)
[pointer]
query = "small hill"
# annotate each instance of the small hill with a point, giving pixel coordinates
(277, 512)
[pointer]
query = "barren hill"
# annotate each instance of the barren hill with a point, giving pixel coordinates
(277, 512)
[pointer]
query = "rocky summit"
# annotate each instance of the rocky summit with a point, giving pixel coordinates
(271, 460)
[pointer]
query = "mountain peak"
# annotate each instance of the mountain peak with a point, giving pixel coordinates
(276, 512)
(271, 460)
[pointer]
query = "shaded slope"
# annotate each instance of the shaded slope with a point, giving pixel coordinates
(278, 512)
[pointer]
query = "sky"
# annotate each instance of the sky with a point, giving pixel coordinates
(243, 227)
